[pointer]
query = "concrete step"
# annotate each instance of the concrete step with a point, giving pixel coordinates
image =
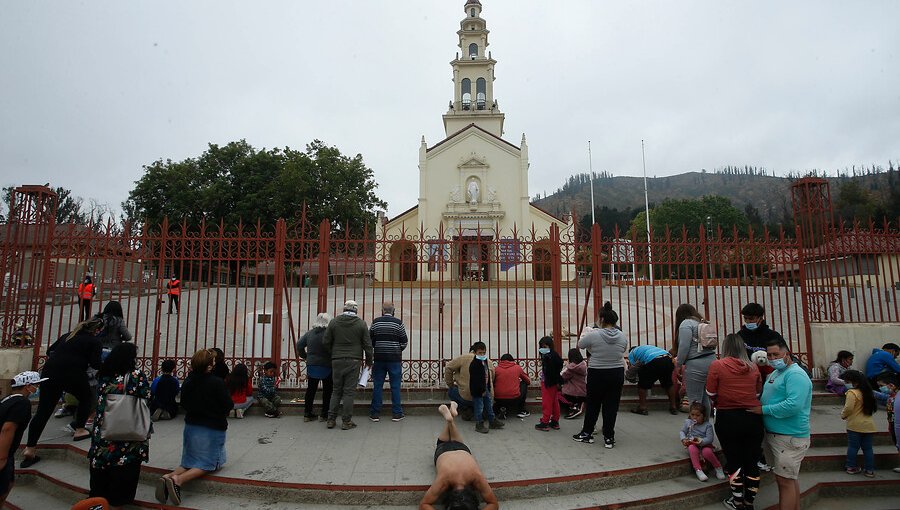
(63, 476)
(424, 403)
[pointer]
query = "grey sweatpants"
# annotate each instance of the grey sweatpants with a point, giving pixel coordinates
(695, 371)
(345, 377)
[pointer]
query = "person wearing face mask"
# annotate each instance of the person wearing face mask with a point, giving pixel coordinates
(551, 380)
(456, 376)
(755, 332)
(786, 403)
(15, 413)
(481, 386)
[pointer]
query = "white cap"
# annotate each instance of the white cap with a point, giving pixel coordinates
(26, 378)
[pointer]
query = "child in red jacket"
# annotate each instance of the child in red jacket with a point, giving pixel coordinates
(510, 388)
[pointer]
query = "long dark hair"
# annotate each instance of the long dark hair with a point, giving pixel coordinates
(120, 361)
(860, 383)
(237, 379)
(686, 311)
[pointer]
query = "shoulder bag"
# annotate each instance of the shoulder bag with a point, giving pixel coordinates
(126, 418)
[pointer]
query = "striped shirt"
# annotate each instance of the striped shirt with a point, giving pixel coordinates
(388, 338)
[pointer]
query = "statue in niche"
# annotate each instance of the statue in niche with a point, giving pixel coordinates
(472, 191)
(491, 195)
(456, 195)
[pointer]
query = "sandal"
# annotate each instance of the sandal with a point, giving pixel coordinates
(174, 490)
(642, 412)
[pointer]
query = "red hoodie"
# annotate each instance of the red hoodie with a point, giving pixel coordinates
(506, 379)
(733, 384)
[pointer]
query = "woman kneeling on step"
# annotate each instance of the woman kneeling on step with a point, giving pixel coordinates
(206, 403)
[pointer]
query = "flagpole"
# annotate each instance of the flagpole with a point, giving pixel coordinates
(647, 213)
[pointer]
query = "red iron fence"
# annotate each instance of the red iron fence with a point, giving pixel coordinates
(253, 291)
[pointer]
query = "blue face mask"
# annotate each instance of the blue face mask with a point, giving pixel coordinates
(751, 326)
(482, 357)
(778, 364)
(35, 395)
(884, 389)
(544, 350)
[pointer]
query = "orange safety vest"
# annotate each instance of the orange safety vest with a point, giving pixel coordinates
(86, 291)
(174, 287)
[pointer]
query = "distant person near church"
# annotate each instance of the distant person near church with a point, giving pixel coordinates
(86, 292)
(174, 291)
(347, 339)
(389, 340)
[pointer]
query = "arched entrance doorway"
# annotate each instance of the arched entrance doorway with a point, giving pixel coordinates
(404, 262)
(541, 262)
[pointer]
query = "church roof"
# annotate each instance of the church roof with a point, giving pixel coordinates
(395, 218)
(461, 131)
(557, 218)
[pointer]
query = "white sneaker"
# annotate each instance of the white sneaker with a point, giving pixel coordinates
(720, 473)
(765, 468)
(239, 414)
(523, 414)
(897, 470)
(701, 475)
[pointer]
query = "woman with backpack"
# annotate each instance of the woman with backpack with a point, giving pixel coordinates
(692, 355)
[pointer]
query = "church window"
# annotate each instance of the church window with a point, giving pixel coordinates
(473, 51)
(466, 88)
(480, 97)
(473, 13)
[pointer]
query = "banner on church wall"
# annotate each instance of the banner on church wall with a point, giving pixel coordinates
(509, 254)
(438, 256)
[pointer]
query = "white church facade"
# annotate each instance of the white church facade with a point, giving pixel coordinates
(474, 208)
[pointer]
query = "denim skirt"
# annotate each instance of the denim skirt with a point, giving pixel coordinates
(202, 448)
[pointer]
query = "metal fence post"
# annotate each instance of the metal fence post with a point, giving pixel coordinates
(556, 291)
(278, 289)
(324, 252)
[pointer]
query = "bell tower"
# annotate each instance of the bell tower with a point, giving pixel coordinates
(473, 78)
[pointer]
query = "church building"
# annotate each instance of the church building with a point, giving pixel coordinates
(473, 188)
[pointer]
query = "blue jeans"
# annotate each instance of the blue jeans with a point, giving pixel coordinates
(380, 369)
(454, 395)
(483, 404)
(855, 441)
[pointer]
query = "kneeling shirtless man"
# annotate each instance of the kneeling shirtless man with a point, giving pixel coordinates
(459, 480)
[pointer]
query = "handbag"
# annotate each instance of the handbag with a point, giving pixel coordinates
(126, 417)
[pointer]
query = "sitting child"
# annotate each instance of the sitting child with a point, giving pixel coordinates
(836, 369)
(697, 436)
(268, 390)
(163, 392)
(574, 387)
(241, 389)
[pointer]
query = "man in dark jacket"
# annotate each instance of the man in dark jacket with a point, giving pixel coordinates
(754, 331)
(347, 339)
(388, 341)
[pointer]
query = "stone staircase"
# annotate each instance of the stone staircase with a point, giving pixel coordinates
(648, 474)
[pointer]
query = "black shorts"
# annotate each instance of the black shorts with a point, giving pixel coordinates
(7, 475)
(449, 446)
(118, 484)
(659, 369)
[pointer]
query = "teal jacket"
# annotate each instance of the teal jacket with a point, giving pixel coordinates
(786, 402)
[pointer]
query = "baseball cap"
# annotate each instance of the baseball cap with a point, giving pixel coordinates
(351, 305)
(26, 378)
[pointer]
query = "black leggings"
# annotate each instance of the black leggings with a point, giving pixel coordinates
(312, 386)
(51, 390)
(741, 434)
(604, 391)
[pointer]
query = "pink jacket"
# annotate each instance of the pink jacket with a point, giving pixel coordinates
(575, 377)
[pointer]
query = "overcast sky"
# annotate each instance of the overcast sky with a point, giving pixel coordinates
(90, 91)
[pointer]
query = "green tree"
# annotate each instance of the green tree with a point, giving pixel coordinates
(855, 203)
(238, 183)
(710, 212)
